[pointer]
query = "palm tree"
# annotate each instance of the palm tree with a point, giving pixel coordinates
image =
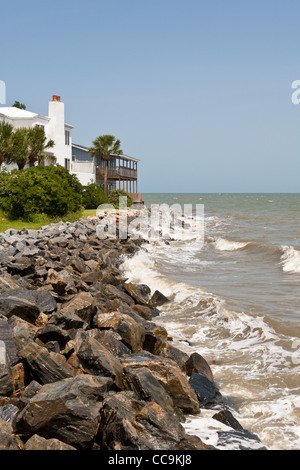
(19, 105)
(19, 147)
(37, 144)
(6, 132)
(104, 146)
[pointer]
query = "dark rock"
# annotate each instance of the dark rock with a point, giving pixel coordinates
(16, 303)
(53, 333)
(226, 417)
(207, 392)
(82, 305)
(114, 293)
(139, 292)
(144, 311)
(111, 340)
(62, 282)
(46, 367)
(155, 339)
(196, 363)
(67, 410)
(95, 359)
(130, 424)
(22, 266)
(158, 299)
(23, 332)
(131, 333)
(239, 440)
(169, 376)
(176, 355)
(147, 387)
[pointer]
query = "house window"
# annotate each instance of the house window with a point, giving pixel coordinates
(67, 164)
(67, 137)
(42, 127)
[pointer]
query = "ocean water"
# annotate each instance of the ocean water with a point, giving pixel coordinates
(235, 299)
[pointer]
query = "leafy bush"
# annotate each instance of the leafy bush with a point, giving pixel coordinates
(93, 195)
(49, 190)
(113, 198)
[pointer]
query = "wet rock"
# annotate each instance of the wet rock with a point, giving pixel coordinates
(239, 440)
(176, 355)
(207, 392)
(158, 299)
(197, 363)
(139, 292)
(226, 417)
(145, 312)
(67, 410)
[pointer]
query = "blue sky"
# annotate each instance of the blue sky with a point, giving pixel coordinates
(199, 91)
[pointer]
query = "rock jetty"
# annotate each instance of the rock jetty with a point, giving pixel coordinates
(83, 366)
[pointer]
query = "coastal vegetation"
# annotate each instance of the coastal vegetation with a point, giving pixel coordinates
(103, 147)
(24, 146)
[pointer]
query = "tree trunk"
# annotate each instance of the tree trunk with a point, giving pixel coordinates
(105, 176)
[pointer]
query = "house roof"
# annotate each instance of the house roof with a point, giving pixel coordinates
(124, 157)
(16, 113)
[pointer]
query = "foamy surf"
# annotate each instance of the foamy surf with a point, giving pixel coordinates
(250, 360)
(290, 259)
(222, 244)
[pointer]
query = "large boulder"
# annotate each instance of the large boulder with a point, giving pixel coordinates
(131, 332)
(67, 410)
(16, 302)
(46, 367)
(207, 392)
(95, 359)
(130, 424)
(170, 376)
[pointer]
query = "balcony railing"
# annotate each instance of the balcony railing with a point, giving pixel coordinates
(118, 172)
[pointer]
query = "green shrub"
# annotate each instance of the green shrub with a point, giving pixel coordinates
(49, 190)
(113, 198)
(93, 195)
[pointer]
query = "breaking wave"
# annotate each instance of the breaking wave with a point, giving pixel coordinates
(290, 259)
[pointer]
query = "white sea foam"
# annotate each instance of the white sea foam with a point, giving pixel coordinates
(249, 359)
(222, 244)
(290, 259)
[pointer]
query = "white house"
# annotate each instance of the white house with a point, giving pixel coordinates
(76, 158)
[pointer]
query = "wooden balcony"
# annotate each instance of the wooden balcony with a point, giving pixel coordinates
(118, 173)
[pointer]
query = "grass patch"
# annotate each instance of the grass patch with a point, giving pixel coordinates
(39, 220)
